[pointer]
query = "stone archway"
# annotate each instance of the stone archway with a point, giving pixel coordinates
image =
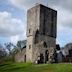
(36, 36)
(46, 56)
(41, 58)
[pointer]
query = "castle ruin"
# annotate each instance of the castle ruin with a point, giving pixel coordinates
(41, 34)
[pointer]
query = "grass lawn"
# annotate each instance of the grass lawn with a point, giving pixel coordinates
(22, 67)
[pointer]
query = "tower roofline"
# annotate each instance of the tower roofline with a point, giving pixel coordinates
(41, 5)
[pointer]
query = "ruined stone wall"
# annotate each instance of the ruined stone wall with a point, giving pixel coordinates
(41, 20)
(41, 49)
(20, 56)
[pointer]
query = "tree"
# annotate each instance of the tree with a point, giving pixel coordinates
(9, 46)
(3, 53)
(11, 50)
(21, 44)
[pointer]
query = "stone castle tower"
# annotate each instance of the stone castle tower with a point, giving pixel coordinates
(41, 33)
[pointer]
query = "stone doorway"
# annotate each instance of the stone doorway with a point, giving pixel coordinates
(46, 56)
(24, 58)
(41, 58)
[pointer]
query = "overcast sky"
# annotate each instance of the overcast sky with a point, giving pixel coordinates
(13, 19)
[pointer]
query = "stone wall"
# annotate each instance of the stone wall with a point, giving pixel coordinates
(40, 49)
(41, 27)
(21, 56)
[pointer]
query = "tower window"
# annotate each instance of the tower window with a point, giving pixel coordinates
(37, 37)
(29, 46)
(29, 30)
(45, 45)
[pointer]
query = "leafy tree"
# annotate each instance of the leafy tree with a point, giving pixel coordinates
(11, 50)
(3, 53)
(21, 44)
(9, 46)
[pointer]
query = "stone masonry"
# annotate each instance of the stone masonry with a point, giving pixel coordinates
(41, 34)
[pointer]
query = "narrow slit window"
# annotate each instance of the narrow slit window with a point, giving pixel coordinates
(29, 30)
(29, 46)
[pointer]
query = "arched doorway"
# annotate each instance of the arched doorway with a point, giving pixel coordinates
(24, 58)
(41, 58)
(46, 56)
(36, 36)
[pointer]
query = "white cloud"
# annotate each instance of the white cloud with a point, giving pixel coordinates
(26, 4)
(64, 16)
(14, 39)
(64, 26)
(67, 4)
(10, 26)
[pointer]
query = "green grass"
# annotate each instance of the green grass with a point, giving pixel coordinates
(22, 67)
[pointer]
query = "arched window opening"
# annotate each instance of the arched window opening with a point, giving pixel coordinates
(37, 36)
(29, 30)
(46, 56)
(45, 45)
(29, 46)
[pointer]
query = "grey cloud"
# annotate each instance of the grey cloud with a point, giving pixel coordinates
(10, 26)
(67, 4)
(62, 6)
(26, 4)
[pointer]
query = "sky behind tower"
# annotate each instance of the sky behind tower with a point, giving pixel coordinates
(13, 19)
